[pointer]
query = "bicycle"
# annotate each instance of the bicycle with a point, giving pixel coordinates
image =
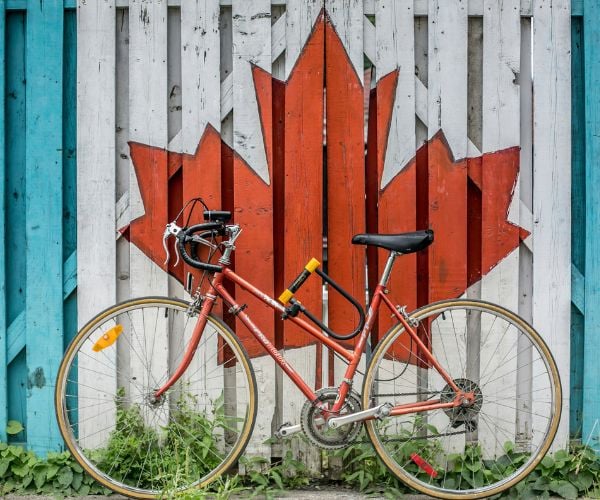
(460, 398)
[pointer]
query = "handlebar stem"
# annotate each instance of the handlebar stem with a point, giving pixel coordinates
(233, 231)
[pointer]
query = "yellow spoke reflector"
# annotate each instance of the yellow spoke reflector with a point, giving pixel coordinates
(108, 338)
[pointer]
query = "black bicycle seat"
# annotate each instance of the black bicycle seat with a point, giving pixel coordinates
(403, 242)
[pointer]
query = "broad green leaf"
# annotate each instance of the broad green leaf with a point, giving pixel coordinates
(14, 427)
(65, 476)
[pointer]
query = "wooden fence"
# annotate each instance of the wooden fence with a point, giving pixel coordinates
(585, 343)
(37, 203)
(227, 100)
(312, 121)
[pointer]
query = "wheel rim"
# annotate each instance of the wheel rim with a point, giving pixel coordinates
(518, 401)
(133, 442)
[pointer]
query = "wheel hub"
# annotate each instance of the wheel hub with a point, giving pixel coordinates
(314, 424)
(469, 407)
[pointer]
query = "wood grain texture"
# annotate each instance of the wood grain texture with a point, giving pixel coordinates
(252, 189)
(447, 179)
(15, 135)
(303, 163)
(43, 209)
(591, 401)
(345, 157)
(395, 144)
(148, 126)
(3, 323)
(552, 185)
(578, 227)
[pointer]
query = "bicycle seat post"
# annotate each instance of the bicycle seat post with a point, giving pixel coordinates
(388, 268)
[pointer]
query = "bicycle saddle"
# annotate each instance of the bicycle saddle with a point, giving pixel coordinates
(403, 242)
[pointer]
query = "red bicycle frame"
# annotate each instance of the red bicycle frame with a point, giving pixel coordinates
(352, 357)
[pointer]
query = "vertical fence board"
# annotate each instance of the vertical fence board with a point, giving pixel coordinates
(148, 131)
(591, 368)
(394, 144)
(252, 191)
(96, 188)
(200, 121)
(303, 163)
(578, 226)
(3, 323)
(500, 130)
(345, 156)
(551, 185)
(15, 213)
(43, 208)
(447, 111)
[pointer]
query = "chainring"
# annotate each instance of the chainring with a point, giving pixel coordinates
(315, 428)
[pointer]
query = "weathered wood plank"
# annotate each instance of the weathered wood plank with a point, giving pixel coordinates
(3, 324)
(447, 111)
(345, 156)
(300, 18)
(252, 191)
(591, 367)
(396, 143)
(500, 130)
(552, 188)
(43, 208)
(577, 224)
(148, 120)
(201, 122)
(96, 187)
(15, 242)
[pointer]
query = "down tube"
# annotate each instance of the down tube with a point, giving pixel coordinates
(269, 347)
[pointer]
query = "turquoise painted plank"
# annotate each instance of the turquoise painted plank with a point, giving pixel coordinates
(16, 330)
(70, 275)
(44, 217)
(577, 289)
(3, 325)
(22, 4)
(591, 367)
(577, 7)
(70, 193)
(14, 244)
(15, 338)
(578, 225)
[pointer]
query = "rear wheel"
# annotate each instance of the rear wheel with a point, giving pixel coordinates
(132, 442)
(488, 445)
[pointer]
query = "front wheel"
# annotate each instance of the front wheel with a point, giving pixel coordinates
(488, 445)
(127, 439)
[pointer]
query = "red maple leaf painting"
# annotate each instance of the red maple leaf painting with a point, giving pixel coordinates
(465, 201)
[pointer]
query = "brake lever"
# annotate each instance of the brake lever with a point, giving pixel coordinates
(170, 229)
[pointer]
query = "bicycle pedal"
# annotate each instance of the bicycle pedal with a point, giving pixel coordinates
(287, 429)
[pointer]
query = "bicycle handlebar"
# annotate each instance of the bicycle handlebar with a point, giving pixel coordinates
(187, 236)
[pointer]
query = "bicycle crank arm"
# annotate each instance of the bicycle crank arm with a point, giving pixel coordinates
(381, 411)
(287, 430)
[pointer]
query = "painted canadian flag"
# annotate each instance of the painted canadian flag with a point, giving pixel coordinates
(287, 206)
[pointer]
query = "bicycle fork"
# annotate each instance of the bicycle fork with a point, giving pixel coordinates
(192, 346)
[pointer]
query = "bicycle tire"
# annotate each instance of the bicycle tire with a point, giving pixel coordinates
(69, 429)
(415, 480)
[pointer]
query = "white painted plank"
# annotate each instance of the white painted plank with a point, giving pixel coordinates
(300, 18)
(148, 124)
(551, 184)
(346, 16)
(447, 90)
(500, 130)
(395, 44)
(251, 46)
(96, 262)
(200, 61)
